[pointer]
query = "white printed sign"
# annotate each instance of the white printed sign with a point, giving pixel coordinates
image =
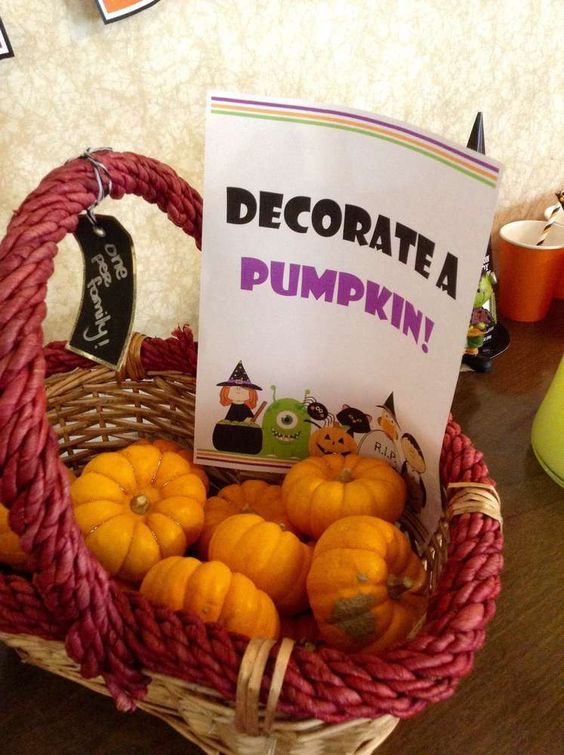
(341, 255)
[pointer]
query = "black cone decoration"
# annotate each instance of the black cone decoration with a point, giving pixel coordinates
(486, 337)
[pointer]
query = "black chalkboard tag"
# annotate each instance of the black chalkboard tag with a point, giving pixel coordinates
(103, 326)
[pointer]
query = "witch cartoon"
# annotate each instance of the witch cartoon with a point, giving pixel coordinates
(383, 440)
(412, 472)
(238, 432)
(387, 419)
(239, 394)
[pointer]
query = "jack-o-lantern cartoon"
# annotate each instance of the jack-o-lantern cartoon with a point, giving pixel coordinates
(332, 440)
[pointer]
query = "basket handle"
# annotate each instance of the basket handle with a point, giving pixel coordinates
(32, 480)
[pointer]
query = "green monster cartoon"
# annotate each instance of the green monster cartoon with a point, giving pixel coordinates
(483, 315)
(286, 428)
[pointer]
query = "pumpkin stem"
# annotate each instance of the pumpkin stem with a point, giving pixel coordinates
(139, 504)
(345, 475)
(398, 585)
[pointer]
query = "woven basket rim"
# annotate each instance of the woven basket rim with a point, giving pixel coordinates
(46, 216)
(95, 377)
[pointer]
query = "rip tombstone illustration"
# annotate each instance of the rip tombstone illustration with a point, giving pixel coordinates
(239, 431)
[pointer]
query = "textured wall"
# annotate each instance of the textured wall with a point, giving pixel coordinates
(140, 84)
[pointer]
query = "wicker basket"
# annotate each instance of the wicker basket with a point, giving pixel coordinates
(223, 692)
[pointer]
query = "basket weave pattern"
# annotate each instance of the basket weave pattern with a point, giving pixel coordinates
(118, 635)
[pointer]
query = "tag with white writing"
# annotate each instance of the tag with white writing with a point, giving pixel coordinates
(103, 325)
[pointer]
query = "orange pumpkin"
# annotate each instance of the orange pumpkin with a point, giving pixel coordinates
(318, 491)
(11, 551)
(164, 444)
(214, 593)
(276, 560)
(366, 586)
(137, 506)
(70, 475)
(332, 440)
(251, 496)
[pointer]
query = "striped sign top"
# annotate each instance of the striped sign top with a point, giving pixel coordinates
(473, 165)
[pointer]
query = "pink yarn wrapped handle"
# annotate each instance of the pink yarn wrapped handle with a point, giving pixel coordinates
(32, 481)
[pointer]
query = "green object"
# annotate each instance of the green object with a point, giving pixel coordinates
(485, 289)
(286, 428)
(547, 432)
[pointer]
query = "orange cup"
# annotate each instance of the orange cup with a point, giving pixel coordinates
(529, 275)
(559, 290)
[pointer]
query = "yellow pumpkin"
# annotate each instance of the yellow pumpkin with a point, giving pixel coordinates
(276, 560)
(70, 475)
(164, 444)
(11, 551)
(251, 496)
(214, 593)
(318, 491)
(366, 586)
(331, 440)
(137, 506)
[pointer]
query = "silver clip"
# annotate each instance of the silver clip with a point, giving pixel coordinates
(99, 168)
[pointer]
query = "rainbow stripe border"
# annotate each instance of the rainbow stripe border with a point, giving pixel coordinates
(264, 463)
(473, 166)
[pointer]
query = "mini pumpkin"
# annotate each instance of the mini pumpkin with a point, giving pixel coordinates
(366, 586)
(163, 444)
(137, 506)
(249, 497)
(276, 560)
(71, 476)
(11, 551)
(214, 593)
(318, 491)
(332, 440)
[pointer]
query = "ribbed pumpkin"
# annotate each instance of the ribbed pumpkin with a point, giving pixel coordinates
(70, 475)
(318, 491)
(137, 506)
(276, 560)
(163, 444)
(214, 593)
(251, 496)
(366, 586)
(11, 551)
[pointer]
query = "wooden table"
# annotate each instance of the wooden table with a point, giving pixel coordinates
(511, 704)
